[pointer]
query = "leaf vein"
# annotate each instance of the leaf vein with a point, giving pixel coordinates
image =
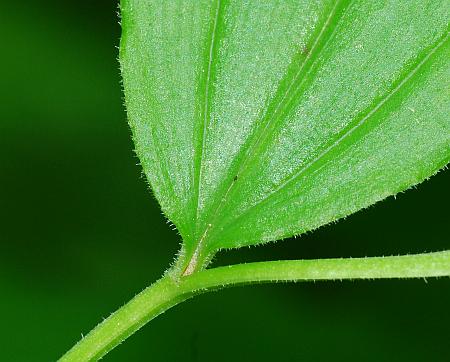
(261, 133)
(349, 131)
(203, 129)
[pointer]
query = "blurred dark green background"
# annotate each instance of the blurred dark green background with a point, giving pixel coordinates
(80, 233)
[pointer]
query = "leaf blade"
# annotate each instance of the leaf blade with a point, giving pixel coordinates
(280, 111)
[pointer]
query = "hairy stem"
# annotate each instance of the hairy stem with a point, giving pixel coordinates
(168, 292)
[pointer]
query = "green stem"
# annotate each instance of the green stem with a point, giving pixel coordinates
(168, 292)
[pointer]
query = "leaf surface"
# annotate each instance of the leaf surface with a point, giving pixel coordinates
(259, 120)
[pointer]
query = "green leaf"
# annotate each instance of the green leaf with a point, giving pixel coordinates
(259, 120)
